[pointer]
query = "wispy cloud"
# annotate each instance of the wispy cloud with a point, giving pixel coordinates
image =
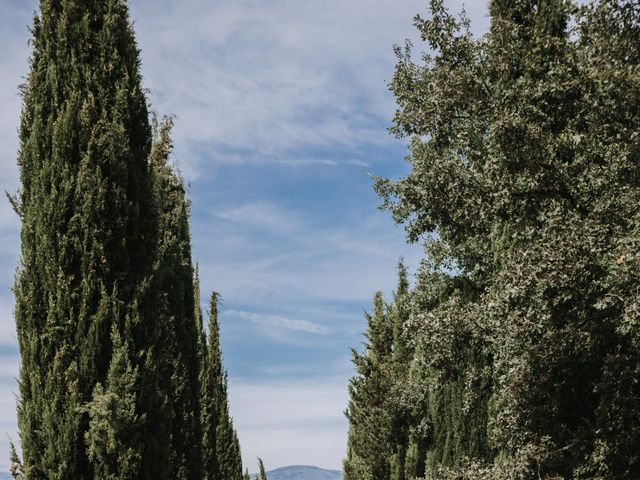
(260, 81)
(277, 321)
(299, 257)
(261, 215)
(299, 160)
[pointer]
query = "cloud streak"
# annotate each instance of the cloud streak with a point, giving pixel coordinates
(277, 321)
(261, 216)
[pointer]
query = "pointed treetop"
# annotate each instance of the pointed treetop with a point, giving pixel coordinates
(403, 281)
(379, 332)
(214, 328)
(213, 304)
(263, 472)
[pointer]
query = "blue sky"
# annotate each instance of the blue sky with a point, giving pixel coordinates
(282, 110)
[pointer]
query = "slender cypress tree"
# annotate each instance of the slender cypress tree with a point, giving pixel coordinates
(401, 357)
(368, 454)
(209, 407)
(87, 228)
(177, 351)
(227, 443)
(106, 310)
(221, 449)
(385, 441)
(263, 472)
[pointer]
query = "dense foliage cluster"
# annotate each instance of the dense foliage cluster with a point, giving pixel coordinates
(521, 334)
(117, 378)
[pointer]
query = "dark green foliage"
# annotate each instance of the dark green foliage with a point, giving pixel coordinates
(88, 228)
(378, 433)
(177, 350)
(449, 383)
(107, 313)
(227, 444)
(369, 426)
(523, 328)
(221, 449)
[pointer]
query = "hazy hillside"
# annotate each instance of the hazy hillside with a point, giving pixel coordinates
(293, 472)
(303, 472)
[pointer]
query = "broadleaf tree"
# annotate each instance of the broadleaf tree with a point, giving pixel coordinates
(524, 181)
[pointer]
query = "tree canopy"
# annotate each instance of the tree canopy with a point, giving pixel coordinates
(523, 188)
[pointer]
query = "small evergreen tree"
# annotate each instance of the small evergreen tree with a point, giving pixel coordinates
(15, 464)
(177, 350)
(369, 442)
(263, 472)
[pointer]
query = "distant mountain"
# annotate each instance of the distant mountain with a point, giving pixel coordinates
(293, 472)
(303, 472)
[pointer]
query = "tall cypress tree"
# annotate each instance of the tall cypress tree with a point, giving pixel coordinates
(385, 438)
(105, 301)
(87, 226)
(227, 443)
(208, 395)
(399, 411)
(177, 352)
(368, 454)
(221, 449)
